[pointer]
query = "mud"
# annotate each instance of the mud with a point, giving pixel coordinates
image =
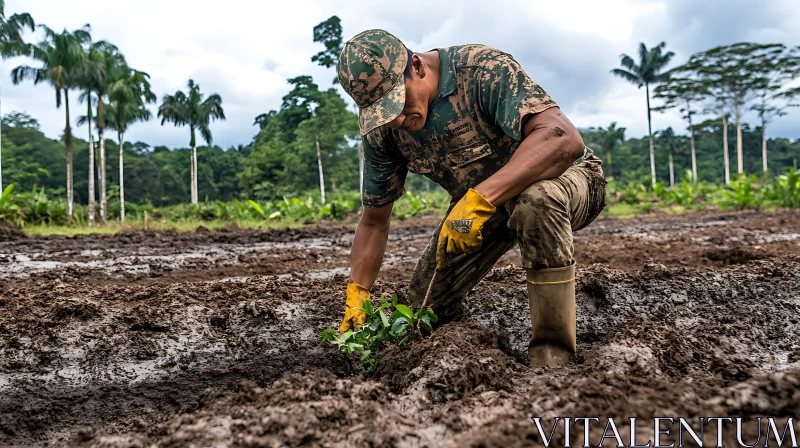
(709, 326)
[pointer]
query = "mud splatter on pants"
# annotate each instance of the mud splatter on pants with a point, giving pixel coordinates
(541, 220)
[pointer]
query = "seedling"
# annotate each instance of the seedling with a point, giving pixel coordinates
(492, 305)
(380, 328)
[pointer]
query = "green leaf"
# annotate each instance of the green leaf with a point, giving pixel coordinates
(384, 304)
(355, 347)
(405, 310)
(384, 319)
(400, 325)
(394, 300)
(256, 207)
(374, 325)
(346, 335)
(434, 318)
(367, 307)
(365, 354)
(426, 319)
(329, 334)
(274, 215)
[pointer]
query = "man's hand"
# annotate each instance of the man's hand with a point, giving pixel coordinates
(461, 231)
(356, 295)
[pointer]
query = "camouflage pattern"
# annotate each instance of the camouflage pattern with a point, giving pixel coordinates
(541, 220)
(370, 70)
(473, 126)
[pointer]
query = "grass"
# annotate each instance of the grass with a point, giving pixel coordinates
(624, 211)
(188, 225)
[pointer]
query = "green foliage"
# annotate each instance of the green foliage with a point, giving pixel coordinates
(632, 194)
(785, 191)
(11, 30)
(192, 109)
(284, 152)
(390, 323)
(10, 211)
(415, 205)
(744, 192)
(31, 208)
(685, 193)
(741, 194)
(329, 33)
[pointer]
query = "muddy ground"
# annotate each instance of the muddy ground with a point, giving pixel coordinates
(212, 338)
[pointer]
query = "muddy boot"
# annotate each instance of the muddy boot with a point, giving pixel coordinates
(551, 293)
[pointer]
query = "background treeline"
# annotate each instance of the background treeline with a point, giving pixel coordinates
(276, 164)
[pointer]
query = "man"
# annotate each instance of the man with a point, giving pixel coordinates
(470, 119)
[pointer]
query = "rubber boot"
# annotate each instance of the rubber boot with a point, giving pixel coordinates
(551, 294)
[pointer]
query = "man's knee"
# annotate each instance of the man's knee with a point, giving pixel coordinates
(540, 204)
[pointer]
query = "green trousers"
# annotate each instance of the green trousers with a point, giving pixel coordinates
(541, 220)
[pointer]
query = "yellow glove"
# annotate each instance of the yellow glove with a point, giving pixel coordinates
(461, 231)
(356, 295)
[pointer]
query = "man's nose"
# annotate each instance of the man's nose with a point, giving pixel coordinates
(397, 122)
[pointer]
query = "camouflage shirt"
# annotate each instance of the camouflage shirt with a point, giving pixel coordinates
(473, 127)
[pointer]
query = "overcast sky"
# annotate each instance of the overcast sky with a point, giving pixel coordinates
(245, 50)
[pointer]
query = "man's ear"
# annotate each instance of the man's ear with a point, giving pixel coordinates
(419, 66)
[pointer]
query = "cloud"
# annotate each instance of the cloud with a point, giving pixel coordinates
(245, 50)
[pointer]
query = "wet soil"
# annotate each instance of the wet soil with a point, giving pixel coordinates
(709, 239)
(679, 316)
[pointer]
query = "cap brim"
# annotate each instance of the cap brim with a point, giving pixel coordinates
(384, 110)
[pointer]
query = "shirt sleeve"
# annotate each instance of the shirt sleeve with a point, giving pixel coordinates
(507, 95)
(384, 175)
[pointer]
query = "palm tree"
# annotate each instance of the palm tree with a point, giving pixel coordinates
(11, 44)
(609, 140)
(647, 71)
(61, 55)
(92, 77)
(671, 143)
(192, 110)
(114, 65)
(128, 96)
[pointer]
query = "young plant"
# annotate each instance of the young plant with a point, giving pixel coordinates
(381, 328)
(741, 194)
(10, 211)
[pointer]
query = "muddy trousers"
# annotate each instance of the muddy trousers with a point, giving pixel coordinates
(541, 220)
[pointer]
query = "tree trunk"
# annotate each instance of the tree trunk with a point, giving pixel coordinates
(91, 161)
(610, 171)
(121, 186)
(671, 171)
(193, 168)
(739, 153)
(726, 158)
(68, 141)
(101, 170)
(650, 133)
(764, 145)
(694, 154)
(321, 176)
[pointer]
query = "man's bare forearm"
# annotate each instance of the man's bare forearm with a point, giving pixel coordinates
(369, 246)
(544, 154)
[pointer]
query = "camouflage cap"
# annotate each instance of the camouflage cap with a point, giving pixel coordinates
(371, 71)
